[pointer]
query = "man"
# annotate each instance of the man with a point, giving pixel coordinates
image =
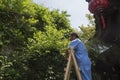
(81, 56)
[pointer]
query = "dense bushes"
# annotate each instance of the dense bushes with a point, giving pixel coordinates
(32, 40)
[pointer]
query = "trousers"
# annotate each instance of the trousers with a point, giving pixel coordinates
(85, 71)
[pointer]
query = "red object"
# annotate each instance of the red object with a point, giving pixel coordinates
(103, 21)
(97, 4)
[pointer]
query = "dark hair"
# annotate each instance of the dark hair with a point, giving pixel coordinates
(74, 34)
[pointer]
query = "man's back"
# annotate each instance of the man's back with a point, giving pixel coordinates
(80, 50)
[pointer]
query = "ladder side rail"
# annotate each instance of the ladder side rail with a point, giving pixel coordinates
(68, 68)
(77, 70)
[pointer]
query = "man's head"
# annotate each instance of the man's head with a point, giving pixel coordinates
(73, 36)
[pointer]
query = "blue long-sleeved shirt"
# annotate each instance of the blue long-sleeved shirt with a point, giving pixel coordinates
(80, 51)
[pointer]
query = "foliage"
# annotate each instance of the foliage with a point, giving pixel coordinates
(60, 20)
(87, 33)
(22, 23)
(45, 53)
(51, 38)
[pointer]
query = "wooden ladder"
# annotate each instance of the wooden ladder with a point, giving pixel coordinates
(71, 59)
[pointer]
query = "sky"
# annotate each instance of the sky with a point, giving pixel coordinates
(76, 8)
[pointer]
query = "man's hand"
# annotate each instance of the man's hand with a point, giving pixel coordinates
(66, 53)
